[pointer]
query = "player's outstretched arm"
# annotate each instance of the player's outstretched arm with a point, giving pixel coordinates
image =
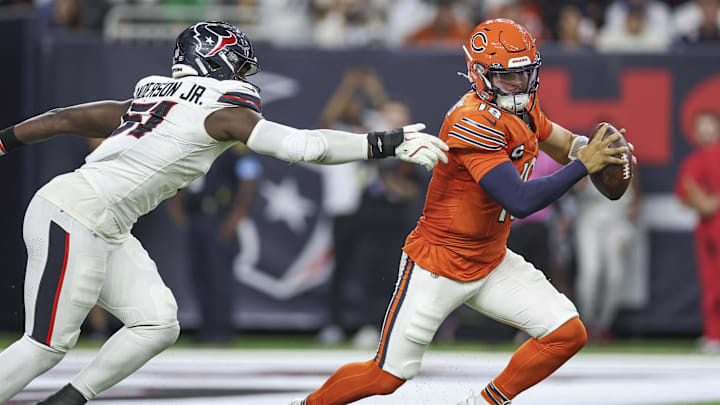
(91, 120)
(324, 146)
(521, 199)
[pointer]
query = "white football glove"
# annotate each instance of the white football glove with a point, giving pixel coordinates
(421, 148)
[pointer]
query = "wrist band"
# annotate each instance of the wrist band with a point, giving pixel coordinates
(578, 143)
(383, 143)
(8, 140)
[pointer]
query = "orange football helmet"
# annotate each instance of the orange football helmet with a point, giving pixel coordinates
(503, 64)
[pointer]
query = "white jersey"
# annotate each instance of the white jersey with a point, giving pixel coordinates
(160, 146)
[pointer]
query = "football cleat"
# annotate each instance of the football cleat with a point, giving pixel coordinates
(68, 395)
(477, 399)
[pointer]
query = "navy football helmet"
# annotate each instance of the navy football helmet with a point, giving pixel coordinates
(214, 49)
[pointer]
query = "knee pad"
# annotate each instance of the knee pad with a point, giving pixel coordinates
(40, 350)
(570, 337)
(157, 336)
(385, 382)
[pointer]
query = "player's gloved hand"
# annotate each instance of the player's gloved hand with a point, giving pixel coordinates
(596, 154)
(410, 145)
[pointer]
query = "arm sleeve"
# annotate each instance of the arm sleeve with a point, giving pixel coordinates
(520, 198)
(324, 146)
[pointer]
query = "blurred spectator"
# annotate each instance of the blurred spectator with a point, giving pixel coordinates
(657, 15)
(370, 227)
(383, 225)
(73, 14)
(285, 22)
(404, 18)
(573, 30)
(524, 12)
(445, 30)
(635, 35)
(604, 232)
(212, 207)
(345, 110)
(698, 187)
(698, 22)
(352, 23)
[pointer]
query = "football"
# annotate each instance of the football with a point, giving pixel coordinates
(613, 180)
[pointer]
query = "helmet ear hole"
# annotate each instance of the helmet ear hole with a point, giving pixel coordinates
(214, 65)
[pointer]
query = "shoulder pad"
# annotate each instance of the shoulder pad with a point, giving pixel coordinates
(479, 131)
(149, 79)
(238, 93)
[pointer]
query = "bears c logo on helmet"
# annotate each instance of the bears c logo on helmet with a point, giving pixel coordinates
(479, 42)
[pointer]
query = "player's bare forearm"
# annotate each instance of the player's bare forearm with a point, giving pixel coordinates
(91, 120)
(557, 145)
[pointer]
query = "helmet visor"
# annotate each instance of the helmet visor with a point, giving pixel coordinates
(247, 69)
(513, 80)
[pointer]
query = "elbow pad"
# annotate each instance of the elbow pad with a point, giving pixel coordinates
(303, 145)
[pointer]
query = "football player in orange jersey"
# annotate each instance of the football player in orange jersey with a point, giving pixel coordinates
(457, 254)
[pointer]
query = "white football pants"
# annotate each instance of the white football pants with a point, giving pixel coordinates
(514, 293)
(69, 270)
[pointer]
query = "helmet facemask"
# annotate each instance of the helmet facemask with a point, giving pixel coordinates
(509, 88)
(240, 66)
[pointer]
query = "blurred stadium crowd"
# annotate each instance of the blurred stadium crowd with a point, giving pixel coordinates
(605, 25)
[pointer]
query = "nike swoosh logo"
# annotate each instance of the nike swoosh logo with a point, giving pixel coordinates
(494, 123)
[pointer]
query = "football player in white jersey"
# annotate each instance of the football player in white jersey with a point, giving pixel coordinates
(77, 227)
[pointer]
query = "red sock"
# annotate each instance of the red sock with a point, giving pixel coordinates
(353, 382)
(538, 358)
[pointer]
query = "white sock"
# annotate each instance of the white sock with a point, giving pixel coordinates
(21, 362)
(125, 352)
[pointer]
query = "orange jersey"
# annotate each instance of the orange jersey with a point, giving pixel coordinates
(463, 232)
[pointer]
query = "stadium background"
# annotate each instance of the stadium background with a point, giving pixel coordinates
(282, 287)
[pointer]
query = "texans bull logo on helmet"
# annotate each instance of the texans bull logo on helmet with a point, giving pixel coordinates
(214, 49)
(211, 39)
